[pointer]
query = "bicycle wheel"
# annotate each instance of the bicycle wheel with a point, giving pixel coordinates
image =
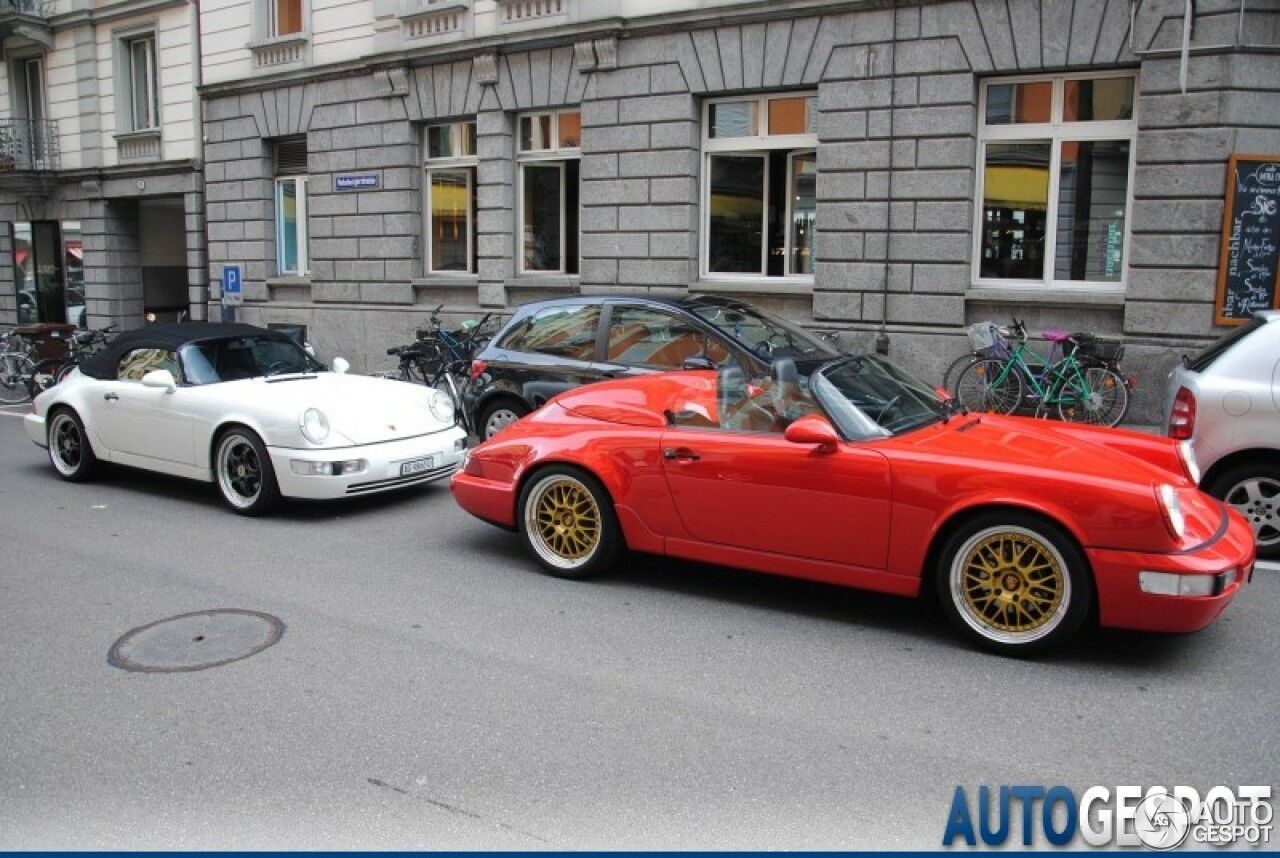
(45, 375)
(957, 366)
(15, 378)
(989, 384)
(411, 372)
(1095, 395)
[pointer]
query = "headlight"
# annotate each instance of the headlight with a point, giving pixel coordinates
(1189, 461)
(1171, 506)
(441, 405)
(315, 426)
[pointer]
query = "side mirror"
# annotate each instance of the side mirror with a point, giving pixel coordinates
(340, 365)
(812, 429)
(697, 362)
(160, 379)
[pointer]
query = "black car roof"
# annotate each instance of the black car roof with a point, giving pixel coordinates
(165, 336)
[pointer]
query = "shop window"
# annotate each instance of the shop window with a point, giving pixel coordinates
(48, 271)
(548, 153)
(1055, 170)
(760, 186)
(292, 246)
(450, 166)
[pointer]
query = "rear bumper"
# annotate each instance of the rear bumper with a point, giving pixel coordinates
(36, 430)
(490, 500)
(1123, 604)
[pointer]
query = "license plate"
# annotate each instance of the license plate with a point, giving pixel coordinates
(417, 466)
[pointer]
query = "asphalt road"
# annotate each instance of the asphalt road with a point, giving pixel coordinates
(432, 690)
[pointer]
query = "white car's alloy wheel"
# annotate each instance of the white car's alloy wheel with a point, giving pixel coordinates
(244, 473)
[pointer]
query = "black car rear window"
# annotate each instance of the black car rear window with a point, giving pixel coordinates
(1205, 359)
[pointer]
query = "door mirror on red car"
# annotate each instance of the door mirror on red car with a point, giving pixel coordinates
(812, 429)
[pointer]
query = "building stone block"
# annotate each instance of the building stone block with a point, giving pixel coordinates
(997, 33)
(599, 218)
(496, 196)
(384, 201)
(599, 112)
(865, 155)
(1177, 216)
(947, 152)
(654, 218)
(837, 306)
(614, 245)
(835, 126)
(925, 309)
(1162, 75)
(932, 215)
(655, 272)
(1165, 319)
(933, 184)
(1184, 111)
(1172, 285)
(328, 291)
(667, 78)
(940, 279)
(904, 154)
(388, 247)
(1174, 250)
(659, 108)
(930, 246)
(1055, 33)
(856, 95)
(1252, 108)
(672, 162)
(834, 186)
(954, 121)
(620, 83)
(1182, 180)
(848, 276)
(675, 135)
(840, 246)
(385, 293)
(616, 138)
(599, 166)
(707, 58)
(672, 245)
(948, 89)
(492, 246)
(226, 231)
(879, 124)
(930, 56)
(361, 271)
(329, 205)
(331, 116)
(618, 192)
(804, 32)
(247, 210)
(673, 190)
(1182, 145)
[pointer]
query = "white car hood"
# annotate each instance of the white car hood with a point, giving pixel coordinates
(360, 409)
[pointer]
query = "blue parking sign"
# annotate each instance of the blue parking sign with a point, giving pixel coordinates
(231, 283)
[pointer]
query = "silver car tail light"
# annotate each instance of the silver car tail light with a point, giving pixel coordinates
(1182, 417)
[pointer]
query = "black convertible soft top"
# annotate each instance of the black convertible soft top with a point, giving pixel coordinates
(168, 336)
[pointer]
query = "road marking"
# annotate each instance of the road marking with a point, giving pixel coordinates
(14, 413)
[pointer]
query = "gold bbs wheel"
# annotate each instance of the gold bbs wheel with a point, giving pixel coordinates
(568, 522)
(1014, 585)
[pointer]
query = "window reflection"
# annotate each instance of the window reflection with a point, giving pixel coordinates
(737, 213)
(1013, 103)
(1093, 186)
(1015, 206)
(1098, 99)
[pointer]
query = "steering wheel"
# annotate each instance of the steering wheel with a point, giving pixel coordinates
(887, 407)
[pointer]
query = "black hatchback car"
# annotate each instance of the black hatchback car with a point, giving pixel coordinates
(551, 346)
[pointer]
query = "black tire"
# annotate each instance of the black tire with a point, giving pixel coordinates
(497, 415)
(45, 375)
(243, 473)
(1253, 490)
(1105, 404)
(69, 449)
(1013, 583)
(566, 519)
(981, 387)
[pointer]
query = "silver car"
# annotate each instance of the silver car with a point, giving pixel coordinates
(1226, 402)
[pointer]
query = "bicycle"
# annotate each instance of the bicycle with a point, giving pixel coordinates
(423, 360)
(1079, 380)
(21, 375)
(82, 344)
(456, 348)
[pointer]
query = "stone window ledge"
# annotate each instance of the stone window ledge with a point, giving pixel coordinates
(445, 281)
(754, 286)
(562, 282)
(289, 288)
(1066, 298)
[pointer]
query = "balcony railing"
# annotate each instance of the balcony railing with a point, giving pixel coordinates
(28, 144)
(40, 8)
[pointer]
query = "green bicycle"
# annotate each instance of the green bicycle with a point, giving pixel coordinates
(1079, 381)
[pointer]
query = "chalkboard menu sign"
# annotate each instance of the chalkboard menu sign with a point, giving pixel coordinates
(1250, 263)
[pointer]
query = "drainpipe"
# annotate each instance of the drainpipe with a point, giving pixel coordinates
(882, 338)
(199, 309)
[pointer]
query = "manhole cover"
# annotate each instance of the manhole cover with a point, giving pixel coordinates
(196, 641)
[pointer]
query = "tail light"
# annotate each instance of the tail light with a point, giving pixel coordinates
(477, 369)
(1182, 417)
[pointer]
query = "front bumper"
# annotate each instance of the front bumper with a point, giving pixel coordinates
(1123, 604)
(382, 470)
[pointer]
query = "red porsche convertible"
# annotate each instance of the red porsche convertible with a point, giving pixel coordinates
(863, 476)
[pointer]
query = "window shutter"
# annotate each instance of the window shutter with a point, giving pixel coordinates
(291, 156)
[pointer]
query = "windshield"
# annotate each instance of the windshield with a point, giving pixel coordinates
(868, 397)
(768, 336)
(212, 361)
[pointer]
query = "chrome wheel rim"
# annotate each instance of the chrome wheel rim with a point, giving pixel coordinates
(563, 522)
(499, 420)
(239, 471)
(66, 445)
(1010, 585)
(1258, 500)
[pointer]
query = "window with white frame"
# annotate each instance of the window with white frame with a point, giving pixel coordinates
(760, 171)
(450, 166)
(141, 89)
(548, 149)
(284, 17)
(292, 250)
(1055, 165)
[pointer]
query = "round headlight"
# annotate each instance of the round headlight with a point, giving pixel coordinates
(441, 405)
(315, 426)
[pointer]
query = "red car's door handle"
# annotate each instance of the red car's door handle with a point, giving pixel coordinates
(680, 453)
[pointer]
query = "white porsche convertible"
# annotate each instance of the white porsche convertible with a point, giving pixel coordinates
(248, 410)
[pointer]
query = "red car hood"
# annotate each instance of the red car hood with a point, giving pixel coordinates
(1024, 442)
